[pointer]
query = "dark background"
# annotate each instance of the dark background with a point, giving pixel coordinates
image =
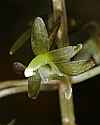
(14, 15)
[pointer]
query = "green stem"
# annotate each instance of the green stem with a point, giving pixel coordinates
(59, 8)
(66, 106)
(9, 87)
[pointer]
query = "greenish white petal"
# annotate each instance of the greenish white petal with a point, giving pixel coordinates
(76, 67)
(34, 83)
(65, 54)
(39, 37)
(20, 41)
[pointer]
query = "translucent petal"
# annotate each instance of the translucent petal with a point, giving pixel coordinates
(44, 72)
(65, 54)
(39, 37)
(76, 67)
(37, 62)
(48, 71)
(55, 69)
(20, 41)
(34, 83)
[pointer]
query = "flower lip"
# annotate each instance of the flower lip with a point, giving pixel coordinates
(28, 72)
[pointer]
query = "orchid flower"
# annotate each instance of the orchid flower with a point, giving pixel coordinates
(50, 64)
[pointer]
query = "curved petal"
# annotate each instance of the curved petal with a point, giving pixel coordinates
(36, 63)
(76, 67)
(34, 83)
(39, 37)
(65, 54)
(20, 41)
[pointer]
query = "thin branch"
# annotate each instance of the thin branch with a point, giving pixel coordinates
(12, 83)
(59, 8)
(14, 90)
(86, 75)
(66, 106)
(17, 86)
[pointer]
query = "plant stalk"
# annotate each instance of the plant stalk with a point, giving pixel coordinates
(52, 85)
(66, 105)
(59, 8)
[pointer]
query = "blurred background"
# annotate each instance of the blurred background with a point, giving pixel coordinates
(14, 16)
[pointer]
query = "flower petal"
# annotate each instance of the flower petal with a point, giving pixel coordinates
(34, 83)
(65, 54)
(20, 41)
(76, 67)
(39, 37)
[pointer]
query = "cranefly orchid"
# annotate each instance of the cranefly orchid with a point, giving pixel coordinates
(49, 64)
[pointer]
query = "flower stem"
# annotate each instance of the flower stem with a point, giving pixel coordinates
(59, 8)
